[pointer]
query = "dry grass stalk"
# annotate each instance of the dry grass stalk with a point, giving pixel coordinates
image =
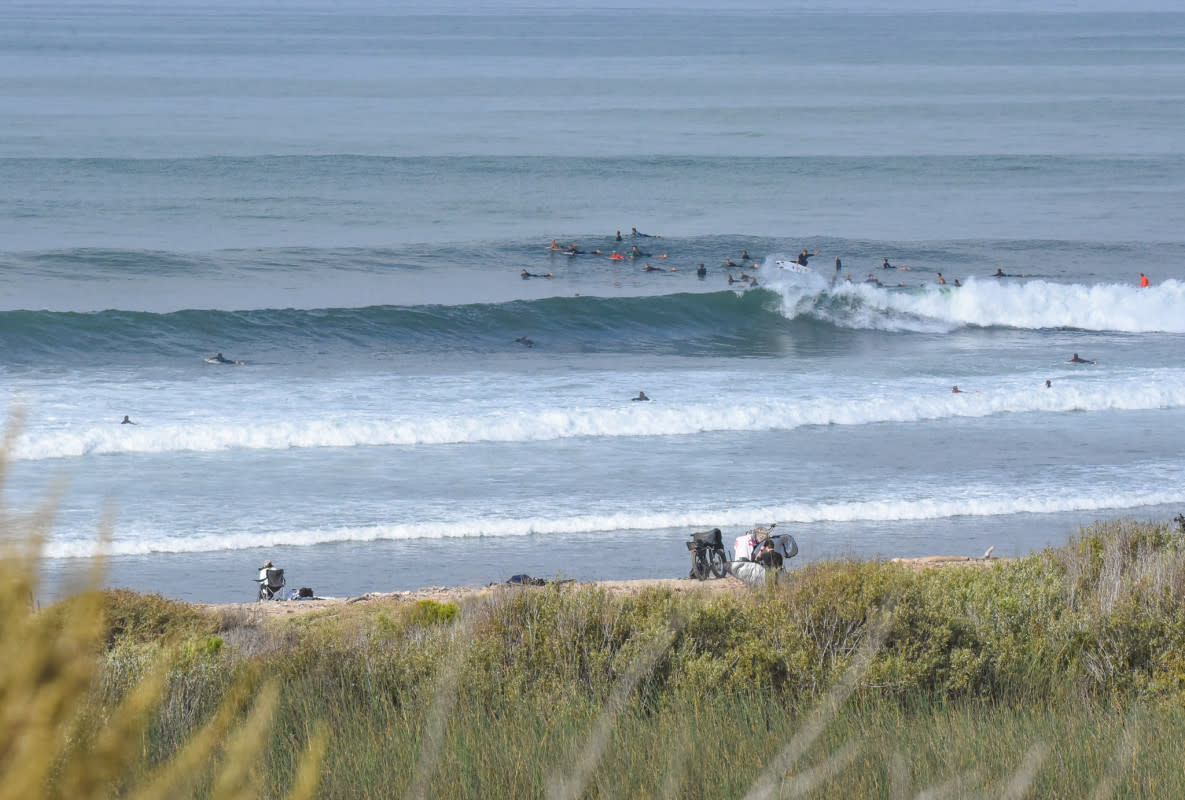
(572, 785)
(48, 679)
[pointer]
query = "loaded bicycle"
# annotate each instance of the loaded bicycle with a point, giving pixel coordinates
(708, 558)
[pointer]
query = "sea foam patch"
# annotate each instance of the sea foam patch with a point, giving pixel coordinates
(778, 406)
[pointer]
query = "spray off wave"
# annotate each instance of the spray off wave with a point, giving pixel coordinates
(1031, 304)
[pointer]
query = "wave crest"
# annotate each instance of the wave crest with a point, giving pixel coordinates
(1030, 304)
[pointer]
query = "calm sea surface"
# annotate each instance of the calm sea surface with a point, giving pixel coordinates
(344, 198)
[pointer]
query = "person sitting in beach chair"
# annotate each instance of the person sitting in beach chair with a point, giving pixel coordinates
(270, 580)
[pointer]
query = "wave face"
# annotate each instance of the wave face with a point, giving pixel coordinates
(605, 324)
(722, 322)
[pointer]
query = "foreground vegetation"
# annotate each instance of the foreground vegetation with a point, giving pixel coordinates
(1061, 674)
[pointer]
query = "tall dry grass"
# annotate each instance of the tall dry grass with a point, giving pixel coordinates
(65, 734)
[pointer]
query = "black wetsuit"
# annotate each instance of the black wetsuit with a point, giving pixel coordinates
(769, 558)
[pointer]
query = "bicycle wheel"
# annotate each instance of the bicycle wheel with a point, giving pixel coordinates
(717, 563)
(699, 565)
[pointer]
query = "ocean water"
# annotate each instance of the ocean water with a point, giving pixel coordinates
(344, 197)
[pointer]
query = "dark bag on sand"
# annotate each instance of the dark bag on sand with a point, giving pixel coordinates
(304, 592)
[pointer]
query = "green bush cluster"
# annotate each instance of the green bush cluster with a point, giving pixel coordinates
(1100, 616)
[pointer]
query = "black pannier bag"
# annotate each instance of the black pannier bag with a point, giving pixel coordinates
(708, 538)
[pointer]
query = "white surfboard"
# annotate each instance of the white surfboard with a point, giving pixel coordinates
(792, 266)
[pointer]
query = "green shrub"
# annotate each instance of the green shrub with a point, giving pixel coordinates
(430, 612)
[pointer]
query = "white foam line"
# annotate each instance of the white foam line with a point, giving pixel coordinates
(915, 402)
(983, 504)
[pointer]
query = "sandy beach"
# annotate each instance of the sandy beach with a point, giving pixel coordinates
(728, 584)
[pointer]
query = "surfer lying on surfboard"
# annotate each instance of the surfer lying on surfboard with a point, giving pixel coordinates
(218, 358)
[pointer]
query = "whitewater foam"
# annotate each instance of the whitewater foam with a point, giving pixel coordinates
(783, 406)
(971, 502)
(1030, 305)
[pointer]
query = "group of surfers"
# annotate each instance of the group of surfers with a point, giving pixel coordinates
(802, 259)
